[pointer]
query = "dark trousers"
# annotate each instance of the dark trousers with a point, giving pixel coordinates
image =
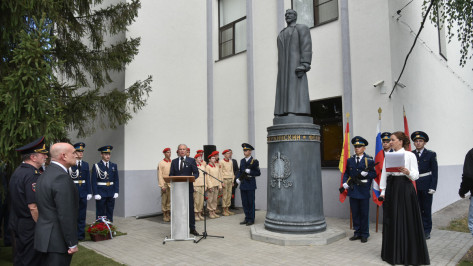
(360, 210)
(104, 207)
(24, 240)
(81, 218)
(232, 201)
(191, 207)
(55, 259)
(248, 202)
(425, 204)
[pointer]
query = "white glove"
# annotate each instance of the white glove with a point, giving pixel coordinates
(345, 186)
(115, 195)
(363, 173)
(89, 196)
(98, 197)
(247, 171)
(431, 191)
(238, 181)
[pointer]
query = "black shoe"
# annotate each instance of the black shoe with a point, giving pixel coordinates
(427, 236)
(364, 239)
(194, 232)
(353, 238)
(249, 223)
(244, 222)
(233, 208)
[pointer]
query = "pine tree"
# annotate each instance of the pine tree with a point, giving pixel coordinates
(55, 69)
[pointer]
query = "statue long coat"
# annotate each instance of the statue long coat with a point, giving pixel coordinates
(294, 49)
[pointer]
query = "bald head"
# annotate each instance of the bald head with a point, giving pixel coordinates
(63, 153)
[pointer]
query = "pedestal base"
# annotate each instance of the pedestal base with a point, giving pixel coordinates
(330, 235)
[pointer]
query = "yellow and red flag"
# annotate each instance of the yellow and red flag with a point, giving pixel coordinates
(343, 158)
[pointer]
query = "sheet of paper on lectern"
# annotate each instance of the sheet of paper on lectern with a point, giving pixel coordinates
(394, 160)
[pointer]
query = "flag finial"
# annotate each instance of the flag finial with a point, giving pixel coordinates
(348, 115)
(379, 112)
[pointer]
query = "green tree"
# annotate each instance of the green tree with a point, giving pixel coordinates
(455, 14)
(55, 71)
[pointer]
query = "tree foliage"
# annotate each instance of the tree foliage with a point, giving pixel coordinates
(457, 16)
(57, 60)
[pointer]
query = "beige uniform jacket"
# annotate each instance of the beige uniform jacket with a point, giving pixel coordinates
(164, 167)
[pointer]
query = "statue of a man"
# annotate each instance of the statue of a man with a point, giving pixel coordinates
(294, 59)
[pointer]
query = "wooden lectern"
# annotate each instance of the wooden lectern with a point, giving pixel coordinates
(179, 207)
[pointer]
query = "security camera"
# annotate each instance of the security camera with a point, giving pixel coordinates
(378, 83)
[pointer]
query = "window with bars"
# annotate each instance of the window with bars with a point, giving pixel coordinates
(314, 13)
(232, 27)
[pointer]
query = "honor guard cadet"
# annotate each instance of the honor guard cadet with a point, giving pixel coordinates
(386, 139)
(105, 184)
(164, 167)
(428, 176)
(214, 186)
(228, 176)
(80, 174)
(246, 178)
(357, 179)
(24, 211)
(199, 189)
(201, 152)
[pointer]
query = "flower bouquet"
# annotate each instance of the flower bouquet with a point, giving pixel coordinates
(101, 229)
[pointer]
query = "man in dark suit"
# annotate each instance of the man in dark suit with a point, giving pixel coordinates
(235, 184)
(246, 177)
(427, 182)
(58, 203)
(186, 166)
(360, 193)
(80, 174)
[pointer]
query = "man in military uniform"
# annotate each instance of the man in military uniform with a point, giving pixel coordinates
(360, 167)
(80, 174)
(164, 167)
(249, 170)
(228, 176)
(428, 176)
(386, 139)
(105, 184)
(24, 210)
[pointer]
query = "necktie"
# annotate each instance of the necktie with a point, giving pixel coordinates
(78, 165)
(106, 165)
(182, 163)
(357, 160)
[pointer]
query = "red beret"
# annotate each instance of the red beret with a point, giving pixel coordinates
(200, 151)
(167, 149)
(225, 151)
(188, 149)
(213, 154)
(197, 155)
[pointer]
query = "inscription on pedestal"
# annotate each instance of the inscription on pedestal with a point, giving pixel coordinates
(280, 171)
(280, 138)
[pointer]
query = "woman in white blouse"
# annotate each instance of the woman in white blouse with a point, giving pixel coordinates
(403, 233)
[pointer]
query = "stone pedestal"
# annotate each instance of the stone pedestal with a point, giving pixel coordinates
(295, 203)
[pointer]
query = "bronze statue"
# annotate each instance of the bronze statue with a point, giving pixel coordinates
(294, 59)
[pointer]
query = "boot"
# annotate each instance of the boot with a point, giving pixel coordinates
(197, 218)
(217, 211)
(166, 216)
(201, 216)
(225, 212)
(211, 215)
(229, 212)
(216, 215)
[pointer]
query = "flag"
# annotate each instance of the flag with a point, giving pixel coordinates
(406, 127)
(379, 158)
(343, 159)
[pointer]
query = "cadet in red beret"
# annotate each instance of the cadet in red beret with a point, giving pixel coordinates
(201, 152)
(199, 189)
(164, 167)
(214, 185)
(228, 176)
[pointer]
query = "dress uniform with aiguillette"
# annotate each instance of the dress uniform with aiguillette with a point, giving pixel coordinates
(105, 185)
(80, 174)
(427, 183)
(249, 170)
(360, 167)
(22, 193)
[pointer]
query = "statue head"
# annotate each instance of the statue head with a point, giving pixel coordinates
(291, 16)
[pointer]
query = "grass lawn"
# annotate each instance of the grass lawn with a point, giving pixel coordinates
(461, 225)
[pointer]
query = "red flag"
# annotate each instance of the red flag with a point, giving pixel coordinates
(343, 159)
(406, 127)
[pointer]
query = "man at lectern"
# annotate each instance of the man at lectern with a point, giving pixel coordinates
(186, 166)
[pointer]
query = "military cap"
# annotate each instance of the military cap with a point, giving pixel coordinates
(79, 146)
(420, 135)
(166, 149)
(214, 153)
(107, 148)
(359, 141)
(225, 151)
(36, 146)
(200, 151)
(198, 155)
(386, 136)
(247, 146)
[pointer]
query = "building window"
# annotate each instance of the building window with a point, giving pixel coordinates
(314, 13)
(328, 115)
(441, 33)
(232, 27)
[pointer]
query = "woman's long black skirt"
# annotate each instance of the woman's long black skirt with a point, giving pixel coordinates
(403, 232)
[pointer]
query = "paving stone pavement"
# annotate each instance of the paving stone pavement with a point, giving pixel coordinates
(143, 245)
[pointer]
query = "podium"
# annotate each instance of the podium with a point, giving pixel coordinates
(179, 207)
